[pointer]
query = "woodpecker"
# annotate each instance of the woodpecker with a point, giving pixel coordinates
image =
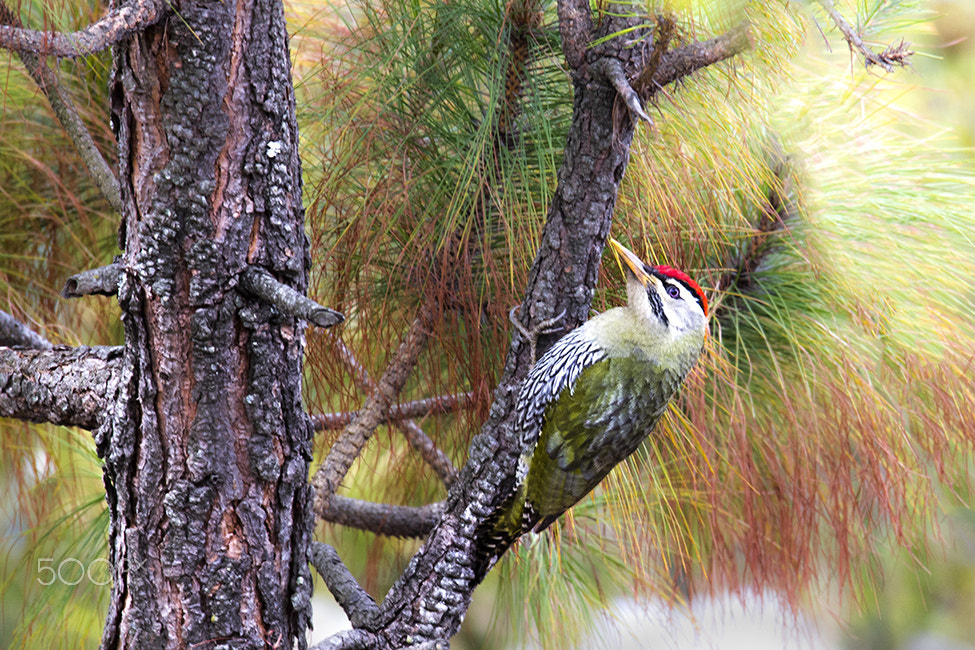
(591, 399)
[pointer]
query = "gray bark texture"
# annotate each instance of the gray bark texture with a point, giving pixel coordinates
(206, 454)
(66, 386)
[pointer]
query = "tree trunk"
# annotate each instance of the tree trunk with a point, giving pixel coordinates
(207, 449)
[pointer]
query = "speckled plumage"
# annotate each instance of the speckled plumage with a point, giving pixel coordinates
(597, 393)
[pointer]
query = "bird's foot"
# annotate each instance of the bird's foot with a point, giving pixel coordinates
(531, 335)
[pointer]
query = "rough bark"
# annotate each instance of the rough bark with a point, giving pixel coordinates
(66, 386)
(206, 455)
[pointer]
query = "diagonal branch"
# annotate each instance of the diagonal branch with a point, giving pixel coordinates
(261, 284)
(16, 334)
(677, 64)
(355, 436)
(69, 387)
(414, 433)
(612, 69)
(893, 55)
(118, 24)
(353, 599)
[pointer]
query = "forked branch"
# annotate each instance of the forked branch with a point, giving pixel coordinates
(413, 432)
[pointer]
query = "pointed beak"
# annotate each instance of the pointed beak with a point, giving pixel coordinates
(631, 262)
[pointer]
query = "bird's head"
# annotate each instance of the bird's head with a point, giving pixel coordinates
(663, 294)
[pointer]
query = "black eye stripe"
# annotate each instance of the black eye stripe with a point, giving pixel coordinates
(657, 305)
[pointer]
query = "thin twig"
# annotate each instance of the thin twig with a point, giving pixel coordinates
(439, 405)
(67, 114)
(414, 434)
(100, 35)
(893, 55)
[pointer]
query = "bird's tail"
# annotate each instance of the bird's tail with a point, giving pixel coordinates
(498, 532)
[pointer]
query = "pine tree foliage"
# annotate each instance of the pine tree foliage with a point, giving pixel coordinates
(438, 155)
(829, 227)
(830, 406)
(53, 222)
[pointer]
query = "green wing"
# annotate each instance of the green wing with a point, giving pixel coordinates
(591, 427)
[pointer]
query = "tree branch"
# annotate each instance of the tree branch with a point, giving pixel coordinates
(69, 387)
(382, 518)
(102, 281)
(662, 36)
(68, 116)
(893, 55)
(353, 599)
(355, 436)
(414, 433)
(679, 63)
(261, 284)
(14, 333)
(779, 210)
(357, 639)
(118, 24)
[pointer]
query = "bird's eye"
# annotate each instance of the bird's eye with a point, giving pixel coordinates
(673, 292)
